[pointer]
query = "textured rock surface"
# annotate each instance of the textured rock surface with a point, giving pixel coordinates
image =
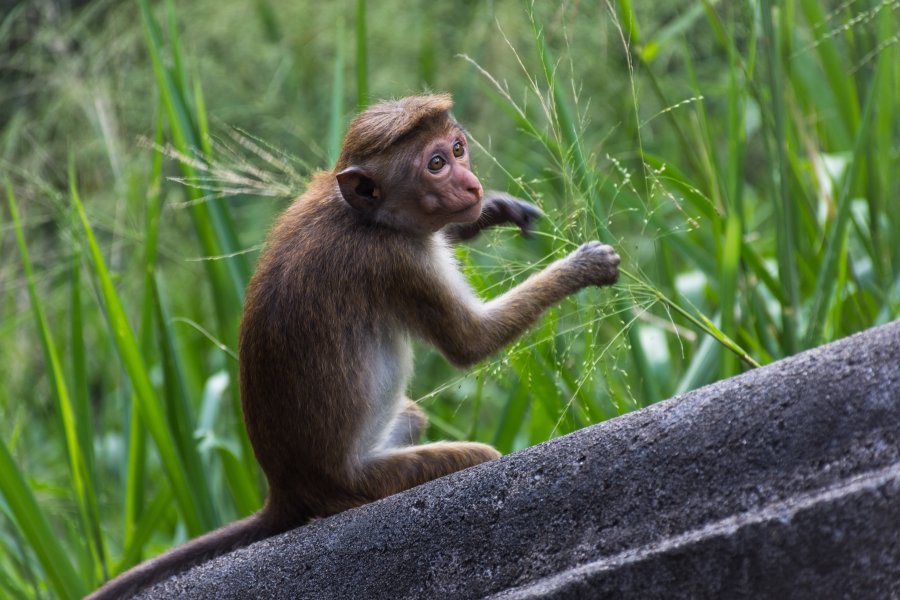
(782, 482)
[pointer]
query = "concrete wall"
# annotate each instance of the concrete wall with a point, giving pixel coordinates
(782, 482)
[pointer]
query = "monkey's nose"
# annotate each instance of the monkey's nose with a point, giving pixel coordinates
(473, 186)
(470, 183)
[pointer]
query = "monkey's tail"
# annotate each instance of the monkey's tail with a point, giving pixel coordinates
(206, 547)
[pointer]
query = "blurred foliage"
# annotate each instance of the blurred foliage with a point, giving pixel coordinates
(740, 155)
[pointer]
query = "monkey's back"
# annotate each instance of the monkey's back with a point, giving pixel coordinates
(319, 338)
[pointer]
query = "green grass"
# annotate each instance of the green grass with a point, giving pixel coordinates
(741, 158)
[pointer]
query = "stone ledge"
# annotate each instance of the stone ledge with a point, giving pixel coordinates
(835, 543)
(783, 481)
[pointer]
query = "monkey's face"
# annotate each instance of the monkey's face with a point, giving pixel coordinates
(419, 186)
(448, 191)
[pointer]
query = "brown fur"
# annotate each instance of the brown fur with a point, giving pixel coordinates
(384, 124)
(351, 270)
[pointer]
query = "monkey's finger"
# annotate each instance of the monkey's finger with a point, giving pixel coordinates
(527, 214)
(532, 212)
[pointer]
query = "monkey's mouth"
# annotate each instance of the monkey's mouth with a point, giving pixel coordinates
(468, 207)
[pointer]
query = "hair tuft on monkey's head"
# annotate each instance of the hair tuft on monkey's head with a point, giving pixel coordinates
(384, 124)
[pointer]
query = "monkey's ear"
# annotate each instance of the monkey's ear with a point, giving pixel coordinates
(359, 188)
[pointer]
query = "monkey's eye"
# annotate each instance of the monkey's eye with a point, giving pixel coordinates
(436, 163)
(458, 149)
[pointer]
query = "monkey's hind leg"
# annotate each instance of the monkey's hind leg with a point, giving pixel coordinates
(403, 468)
(408, 425)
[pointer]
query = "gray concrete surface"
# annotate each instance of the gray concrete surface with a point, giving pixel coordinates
(783, 482)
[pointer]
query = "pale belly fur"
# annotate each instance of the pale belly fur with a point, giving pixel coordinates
(389, 366)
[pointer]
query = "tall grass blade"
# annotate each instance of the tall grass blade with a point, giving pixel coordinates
(212, 221)
(698, 319)
(629, 22)
(79, 463)
(841, 85)
(649, 385)
(137, 436)
(203, 136)
(336, 120)
(147, 404)
(728, 283)
(785, 234)
(34, 526)
(144, 528)
(362, 59)
(511, 420)
(585, 179)
(216, 213)
(242, 484)
(135, 473)
(181, 419)
(269, 20)
(702, 365)
(84, 428)
(836, 244)
(884, 223)
(572, 150)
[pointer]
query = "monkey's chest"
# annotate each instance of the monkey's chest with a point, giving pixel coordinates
(388, 365)
(391, 365)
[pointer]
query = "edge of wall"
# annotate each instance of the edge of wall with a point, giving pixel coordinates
(781, 481)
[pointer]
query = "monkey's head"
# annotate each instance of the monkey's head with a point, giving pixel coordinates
(405, 164)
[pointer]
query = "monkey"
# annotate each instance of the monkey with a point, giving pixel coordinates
(351, 271)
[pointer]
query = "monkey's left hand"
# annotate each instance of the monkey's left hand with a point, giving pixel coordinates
(498, 208)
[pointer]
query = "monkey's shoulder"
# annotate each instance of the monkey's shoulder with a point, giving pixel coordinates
(321, 241)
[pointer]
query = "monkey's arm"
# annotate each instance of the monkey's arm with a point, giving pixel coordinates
(498, 208)
(466, 331)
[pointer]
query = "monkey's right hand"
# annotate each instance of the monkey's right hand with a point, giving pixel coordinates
(500, 207)
(595, 263)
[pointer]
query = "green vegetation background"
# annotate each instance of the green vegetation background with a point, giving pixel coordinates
(742, 156)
